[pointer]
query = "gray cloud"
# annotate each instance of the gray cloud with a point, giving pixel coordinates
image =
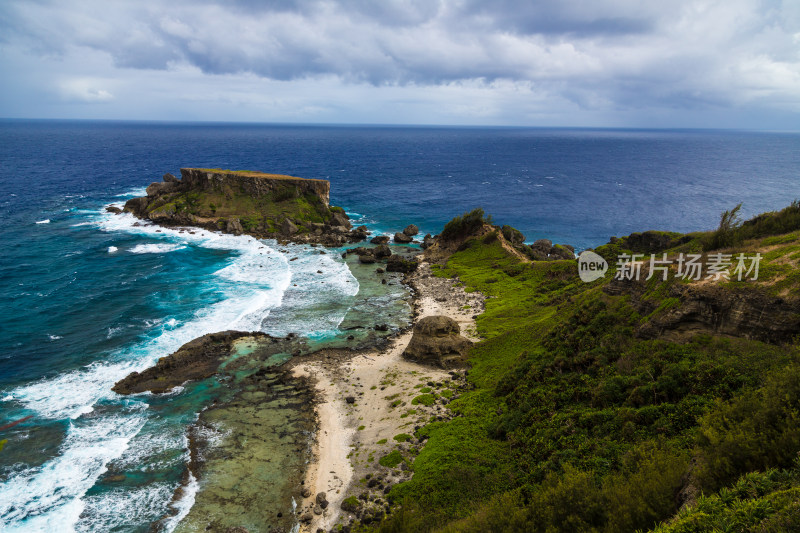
(615, 54)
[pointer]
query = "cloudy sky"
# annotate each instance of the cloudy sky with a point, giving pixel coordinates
(637, 63)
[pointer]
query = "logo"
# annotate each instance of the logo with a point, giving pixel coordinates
(591, 266)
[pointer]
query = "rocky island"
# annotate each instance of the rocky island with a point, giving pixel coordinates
(266, 206)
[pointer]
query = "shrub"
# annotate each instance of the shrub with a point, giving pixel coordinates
(755, 431)
(423, 399)
(464, 225)
(391, 459)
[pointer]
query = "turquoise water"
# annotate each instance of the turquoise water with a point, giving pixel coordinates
(88, 296)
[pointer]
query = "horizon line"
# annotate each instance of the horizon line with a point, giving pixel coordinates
(393, 125)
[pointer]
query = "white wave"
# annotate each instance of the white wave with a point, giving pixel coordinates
(48, 498)
(45, 221)
(116, 510)
(183, 505)
(112, 249)
(156, 248)
(54, 337)
(79, 224)
(133, 193)
(257, 281)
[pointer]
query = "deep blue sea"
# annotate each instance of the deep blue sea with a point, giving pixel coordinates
(86, 297)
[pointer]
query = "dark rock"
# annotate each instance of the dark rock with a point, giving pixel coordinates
(396, 263)
(306, 492)
(379, 270)
(366, 259)
(427, 241)
(114, 209)
(321, 497)
(382, 250)
(411, 230)
(437, 340)
(560, 252)
(197, 359)
(306, 518)
(288, 227)
(381, 327)
(340, 219)
(380, 239)
(349, 506)
(317, 510)
(350, 399)
(169, 178)
(402, 238)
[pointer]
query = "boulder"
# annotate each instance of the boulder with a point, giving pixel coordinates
(340, 219)
(396, 263)
(114, 209)
(411, 230)
(427, 242)
(437, 341)
(366, 259)
(234, 226)
(561, 252)
(402, 238)
(382, 250)
(288, 227)
(169, 178)
(380, 239)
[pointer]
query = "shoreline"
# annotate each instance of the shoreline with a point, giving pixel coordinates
(352, 436)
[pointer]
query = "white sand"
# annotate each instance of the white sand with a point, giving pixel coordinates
(348, 435)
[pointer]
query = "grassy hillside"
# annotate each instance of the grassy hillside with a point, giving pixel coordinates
(579, 422)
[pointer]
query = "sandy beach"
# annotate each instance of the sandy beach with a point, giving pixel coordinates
(365, 401)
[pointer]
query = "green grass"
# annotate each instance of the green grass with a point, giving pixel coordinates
(402, 437)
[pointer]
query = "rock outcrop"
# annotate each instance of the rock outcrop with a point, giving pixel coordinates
(437, 341)
(197, 359)
(246, 202)
(714, 310)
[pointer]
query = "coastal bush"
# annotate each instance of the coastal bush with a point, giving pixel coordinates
(757, 430)
(424, 399)
(463, 225)
(391, 459)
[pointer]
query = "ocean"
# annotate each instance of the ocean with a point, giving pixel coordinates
(87, 297)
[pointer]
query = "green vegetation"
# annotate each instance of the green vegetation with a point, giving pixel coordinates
(464, 225)
(576, 423)
(392, 459)
(402, 437)
(424, 399)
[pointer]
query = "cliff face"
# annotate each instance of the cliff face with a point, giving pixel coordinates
(714, 310)
(256, 184)
(254, 203)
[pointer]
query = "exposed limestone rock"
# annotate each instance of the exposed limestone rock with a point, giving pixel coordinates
(380, 239)
(437, 341)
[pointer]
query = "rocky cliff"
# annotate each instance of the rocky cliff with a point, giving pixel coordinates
(253, 203)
